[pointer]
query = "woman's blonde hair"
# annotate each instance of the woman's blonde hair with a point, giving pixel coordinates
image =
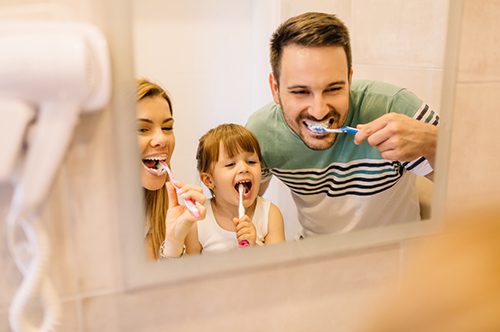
(155, 202)
(235, 138)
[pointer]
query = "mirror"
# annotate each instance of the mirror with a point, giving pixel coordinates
(212, 57)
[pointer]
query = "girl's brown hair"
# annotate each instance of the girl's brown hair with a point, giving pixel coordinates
(235, 138)
(155, 202)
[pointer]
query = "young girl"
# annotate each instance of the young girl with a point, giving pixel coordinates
(227, 156)
(167, 222)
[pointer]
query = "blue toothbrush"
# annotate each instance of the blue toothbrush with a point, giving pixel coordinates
(319, 129)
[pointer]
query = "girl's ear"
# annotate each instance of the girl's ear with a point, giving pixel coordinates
(207, 180)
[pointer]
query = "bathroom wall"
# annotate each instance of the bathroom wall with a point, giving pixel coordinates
(324, 294)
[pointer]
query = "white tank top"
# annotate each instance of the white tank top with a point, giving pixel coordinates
(214, 238)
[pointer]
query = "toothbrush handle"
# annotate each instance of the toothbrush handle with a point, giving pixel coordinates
(349, 130)
(191, 206)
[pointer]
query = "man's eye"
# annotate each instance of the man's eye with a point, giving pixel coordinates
(333, 89)
(298, 92)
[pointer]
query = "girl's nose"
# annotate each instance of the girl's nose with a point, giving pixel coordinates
(242, 167)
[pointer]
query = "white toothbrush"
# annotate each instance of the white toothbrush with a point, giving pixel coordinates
(191, 206)
(241, 213)
(320, 129)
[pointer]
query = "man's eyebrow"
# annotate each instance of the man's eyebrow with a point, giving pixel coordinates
(298, 86)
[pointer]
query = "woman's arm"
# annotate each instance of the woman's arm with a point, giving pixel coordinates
(193, 246)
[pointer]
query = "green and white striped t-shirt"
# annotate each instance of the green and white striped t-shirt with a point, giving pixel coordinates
(347, 186)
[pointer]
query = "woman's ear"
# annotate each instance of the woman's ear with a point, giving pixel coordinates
(207, 180)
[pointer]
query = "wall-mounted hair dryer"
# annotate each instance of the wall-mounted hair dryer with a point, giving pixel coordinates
(60, 69)
(49, 73)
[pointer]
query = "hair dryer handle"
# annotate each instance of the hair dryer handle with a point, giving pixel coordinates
(51, 137)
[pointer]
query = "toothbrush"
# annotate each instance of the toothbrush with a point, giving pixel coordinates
(241, 213)
(191, 206)
(319, 129)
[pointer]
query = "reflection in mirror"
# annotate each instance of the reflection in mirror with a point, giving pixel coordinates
(216, 69)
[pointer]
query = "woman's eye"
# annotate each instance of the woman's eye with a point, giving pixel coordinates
(142, 130)
(167, 128)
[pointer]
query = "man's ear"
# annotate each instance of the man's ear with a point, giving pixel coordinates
(273, 84)
(207, 180)
(350, 76)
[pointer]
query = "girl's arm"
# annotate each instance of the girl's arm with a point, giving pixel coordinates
(193, 246)
(275, 227)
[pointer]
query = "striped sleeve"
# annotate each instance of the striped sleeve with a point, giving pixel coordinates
(421, 166)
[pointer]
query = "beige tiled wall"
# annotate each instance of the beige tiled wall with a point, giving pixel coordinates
(320, 295)
(474, 176)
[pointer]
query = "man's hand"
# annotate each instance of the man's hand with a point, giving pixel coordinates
(399, 137)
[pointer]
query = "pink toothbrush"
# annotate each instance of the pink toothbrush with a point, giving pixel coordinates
(241, 213)
(191, 206)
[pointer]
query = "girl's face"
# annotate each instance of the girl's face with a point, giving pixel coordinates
(228, 173)
(156, 139)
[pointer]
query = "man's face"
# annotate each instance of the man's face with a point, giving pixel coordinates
(313, 87)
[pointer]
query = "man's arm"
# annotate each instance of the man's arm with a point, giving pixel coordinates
(399, 137)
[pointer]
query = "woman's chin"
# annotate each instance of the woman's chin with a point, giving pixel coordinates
(153, 182)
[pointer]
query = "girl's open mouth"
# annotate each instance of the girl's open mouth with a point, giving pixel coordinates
(247, 185)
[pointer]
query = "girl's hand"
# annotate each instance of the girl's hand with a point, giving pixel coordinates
(245, 229)
(179, 220)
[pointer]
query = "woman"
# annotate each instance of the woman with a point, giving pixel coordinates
(167, 222)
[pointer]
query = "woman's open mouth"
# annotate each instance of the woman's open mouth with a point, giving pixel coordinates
(152, 164)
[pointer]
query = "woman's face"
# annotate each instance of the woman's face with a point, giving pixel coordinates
(155, 133)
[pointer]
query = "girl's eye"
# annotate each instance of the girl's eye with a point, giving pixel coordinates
(252, 162)
(229, 165)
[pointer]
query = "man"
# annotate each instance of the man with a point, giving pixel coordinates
(340, 182)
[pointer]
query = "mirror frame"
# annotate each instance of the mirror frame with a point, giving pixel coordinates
(138, 272)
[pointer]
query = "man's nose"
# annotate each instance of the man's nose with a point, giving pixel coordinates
(319, 108)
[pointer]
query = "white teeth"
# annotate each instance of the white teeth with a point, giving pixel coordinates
(161, 158)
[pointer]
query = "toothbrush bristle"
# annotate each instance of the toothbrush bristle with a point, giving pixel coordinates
(316, 127)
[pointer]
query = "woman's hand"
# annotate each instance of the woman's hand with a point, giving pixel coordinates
(179, 220)
(245, 229)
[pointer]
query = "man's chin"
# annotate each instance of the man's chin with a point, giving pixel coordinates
(317, 143)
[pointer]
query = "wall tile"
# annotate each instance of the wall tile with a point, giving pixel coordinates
(393, 32)
(474, 163)
(480, 45)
